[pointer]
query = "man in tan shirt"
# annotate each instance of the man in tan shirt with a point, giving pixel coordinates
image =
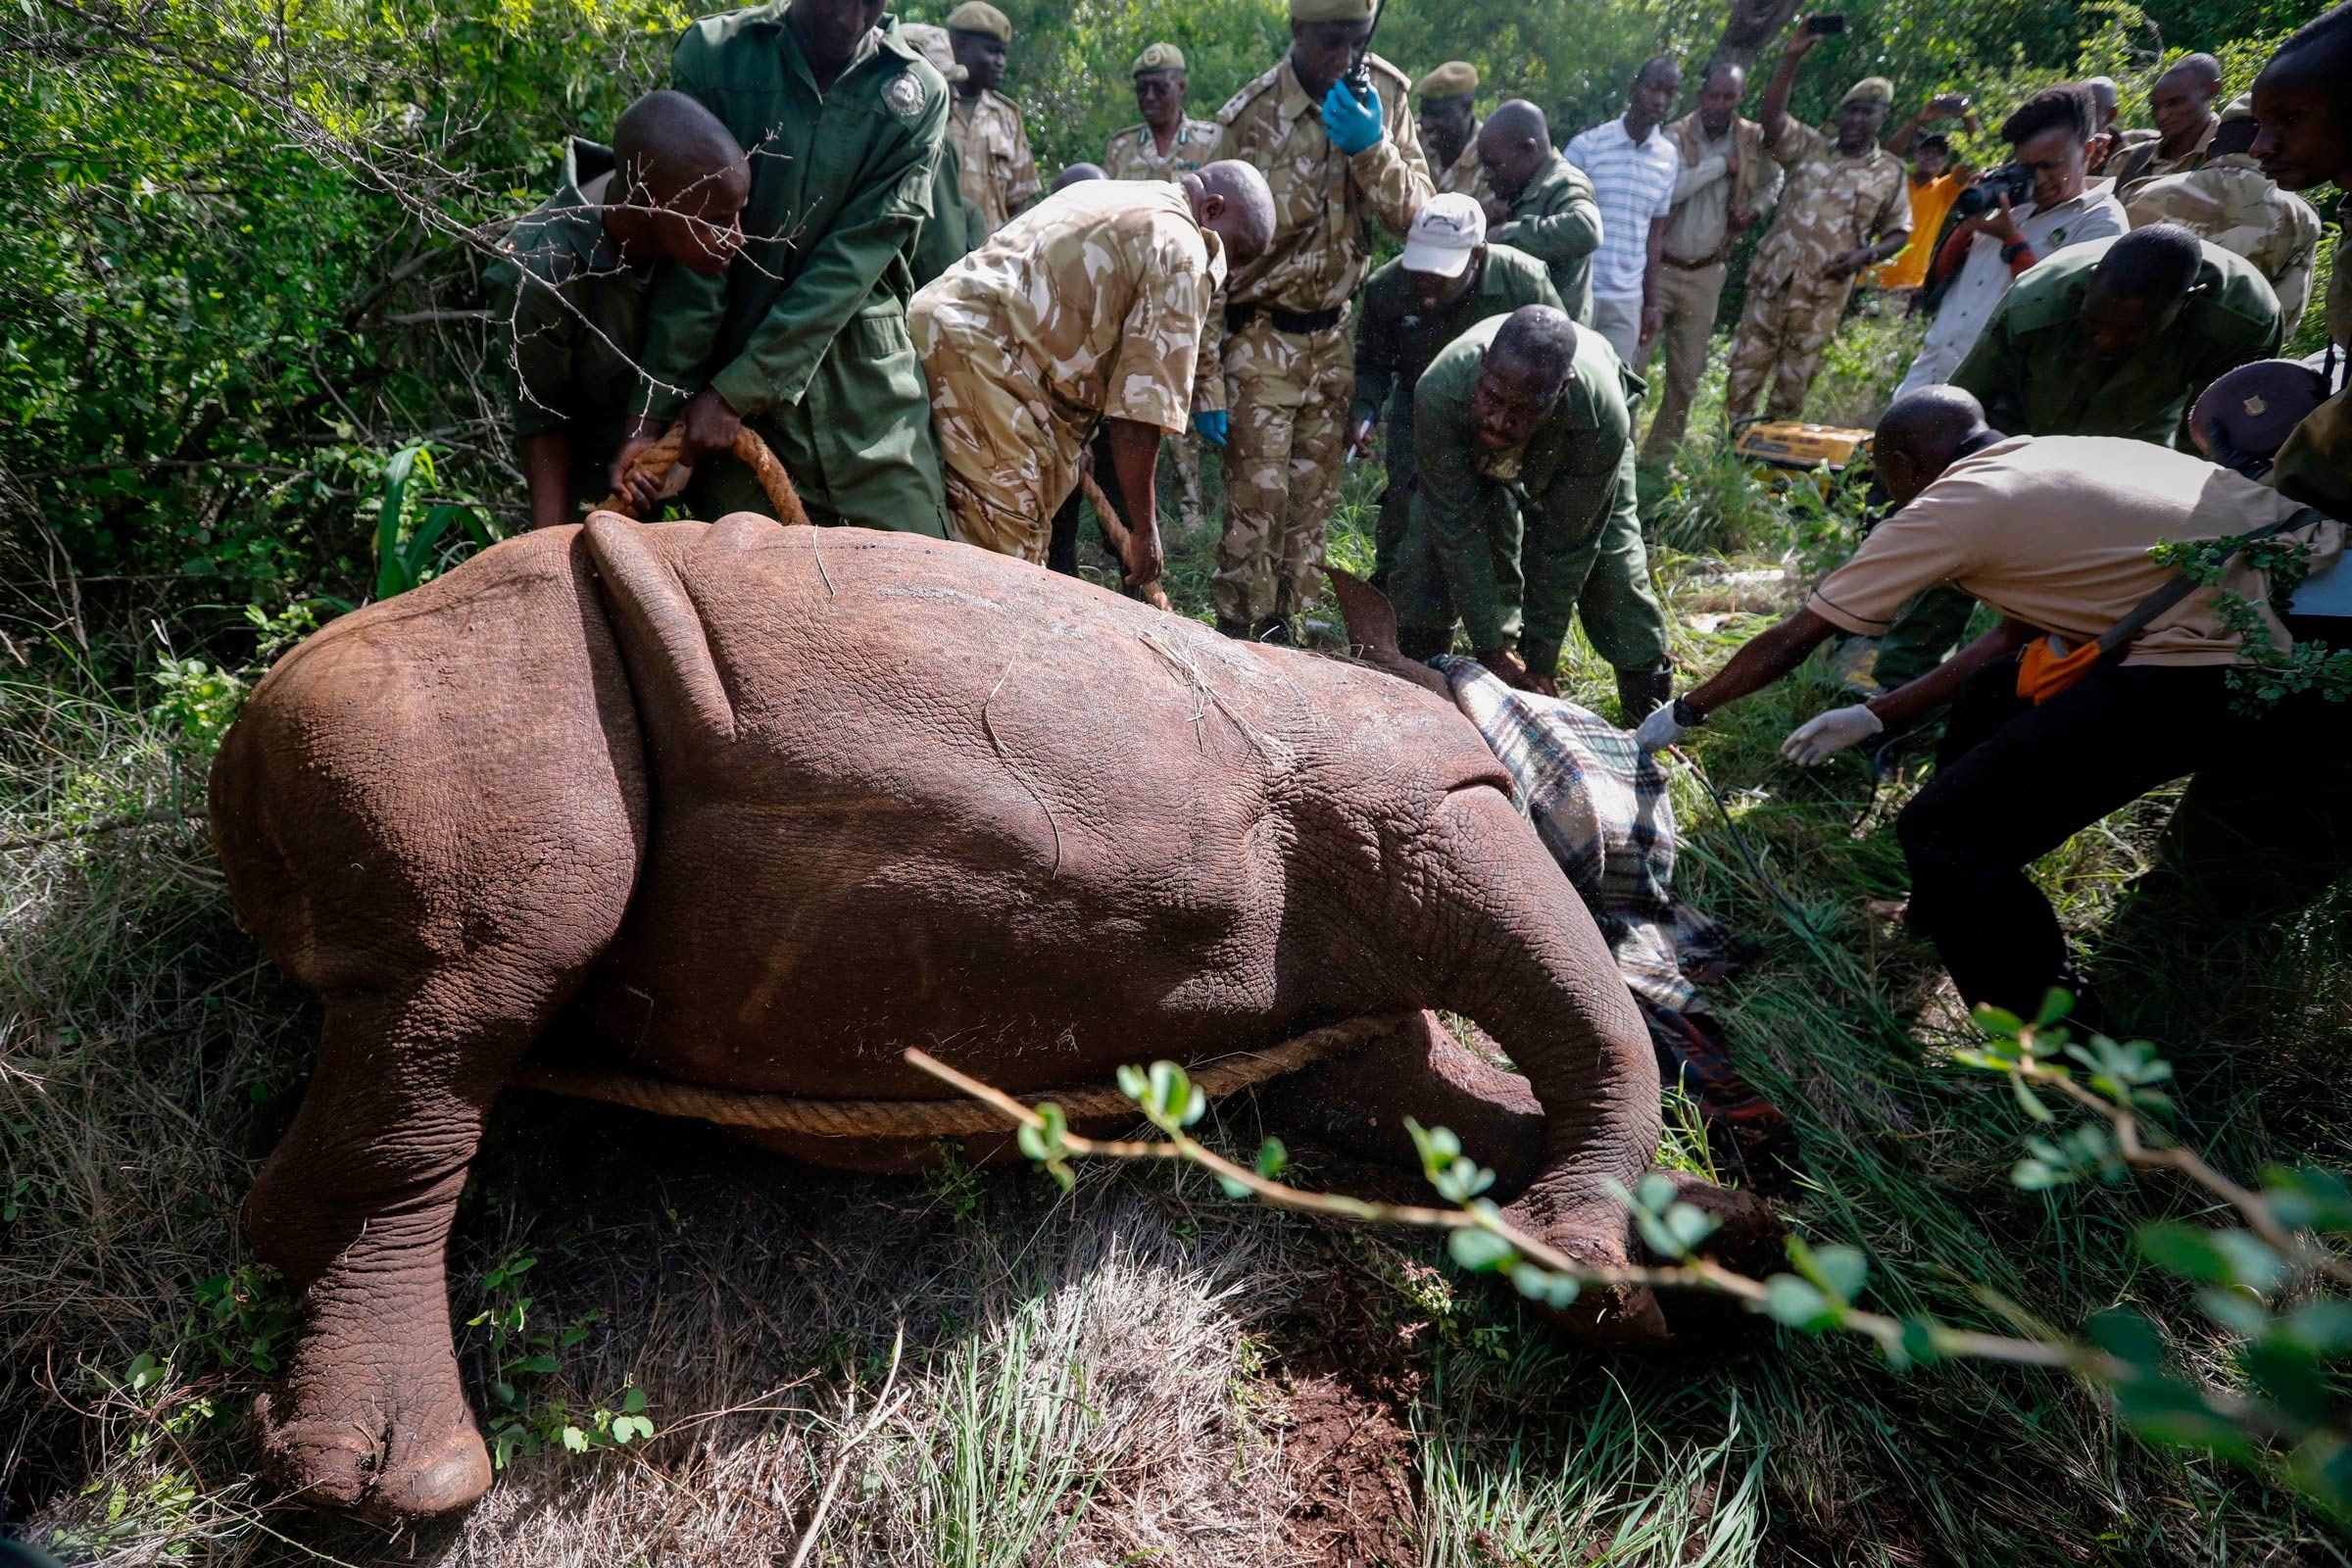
(2054, 532)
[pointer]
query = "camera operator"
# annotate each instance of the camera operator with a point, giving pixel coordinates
(2033, 206)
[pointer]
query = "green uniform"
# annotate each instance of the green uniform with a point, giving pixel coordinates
(567, 322)
(2034, 371)
(1524, 537)
(947, 236)
(2315, 466)
(1556, 220)
(807, 335)
(1395, 341)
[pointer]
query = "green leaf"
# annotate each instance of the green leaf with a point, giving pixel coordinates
(1272, 1158)
(2309, 1199)
(1478, 1250)
(1842, 1271)
(628, 1429)
(2322, 1328)
(2055, 1004)
(541, 1365)
(632, 1400)
(2031, 1102)
(2236, 1310)
(2127, 1336)
(1689, 1225)
(1133, 1084)
(1998, 1022)
(1789, 1300)
(1919, 1342)
(575, 1440)
(2194, 1253)
(1655, 1193)
(1232, 1188)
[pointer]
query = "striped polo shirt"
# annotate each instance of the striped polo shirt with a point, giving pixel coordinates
(1633, 182)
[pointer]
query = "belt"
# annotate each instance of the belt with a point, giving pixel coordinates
(1237, 317)
(1681, 266)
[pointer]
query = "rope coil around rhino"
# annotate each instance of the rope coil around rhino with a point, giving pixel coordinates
(930, 1118)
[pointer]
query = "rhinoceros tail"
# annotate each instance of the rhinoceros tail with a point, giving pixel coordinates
(683, 702)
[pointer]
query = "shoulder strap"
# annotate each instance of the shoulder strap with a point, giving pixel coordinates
(2120, 636)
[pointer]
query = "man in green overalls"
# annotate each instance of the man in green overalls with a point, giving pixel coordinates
(567, 289)
(1525, 504)
(806, 340)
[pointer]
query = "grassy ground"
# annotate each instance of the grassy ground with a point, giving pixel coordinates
(978, 1370)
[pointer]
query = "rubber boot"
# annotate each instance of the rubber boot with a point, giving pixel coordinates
(1275, 629)
(1642, 693)
(1424, 642)
(1238, 630)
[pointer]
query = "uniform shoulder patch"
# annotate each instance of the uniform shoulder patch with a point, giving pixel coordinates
(1242, 99)
(902, 95)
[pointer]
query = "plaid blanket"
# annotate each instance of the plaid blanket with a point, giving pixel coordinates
(1599, 805)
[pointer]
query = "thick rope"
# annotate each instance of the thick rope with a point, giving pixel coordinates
(930, 1118)
(1121, 541)
(753, 452)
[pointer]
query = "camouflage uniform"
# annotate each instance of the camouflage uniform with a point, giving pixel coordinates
(2315, 466)
(1089, 306)
(1132, 154)
(1466, 175)
(1519, 540)
(1833, 202)
(2232, 203)
(2137, 159)
(568, 321)
(1288, 374)
(1556, 220)
(999, 173)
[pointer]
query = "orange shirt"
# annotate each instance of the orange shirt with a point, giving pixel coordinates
(1929, 203)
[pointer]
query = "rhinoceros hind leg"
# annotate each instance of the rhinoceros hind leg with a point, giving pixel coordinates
(354, 1208)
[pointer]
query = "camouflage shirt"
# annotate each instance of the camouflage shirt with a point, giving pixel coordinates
(1324, 201)
(1834, 202)
(2232, 203)
(1466, 175)
(1101, 291)
(1132, 154)
(1556, 220)
(2138, 158)
(999, 173)
(568, 317)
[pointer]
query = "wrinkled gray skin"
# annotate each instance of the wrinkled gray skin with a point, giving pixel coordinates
(760, 806)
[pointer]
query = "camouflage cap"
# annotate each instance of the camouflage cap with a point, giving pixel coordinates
(1331, 10)
(2241, 107)
(1456, 78)
(978, 16)
(931, 42)
(1869, 88)
(1159, 57)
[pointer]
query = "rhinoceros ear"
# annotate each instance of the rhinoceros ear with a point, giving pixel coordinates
(1371, 619)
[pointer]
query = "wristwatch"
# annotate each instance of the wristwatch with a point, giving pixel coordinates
(2012, 250)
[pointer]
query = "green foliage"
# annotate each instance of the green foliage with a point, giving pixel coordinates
(528, 1415)
(245, 1318)
(2267, 673)
(407, 555)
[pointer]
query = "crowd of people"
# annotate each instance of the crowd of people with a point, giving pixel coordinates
(832, 228)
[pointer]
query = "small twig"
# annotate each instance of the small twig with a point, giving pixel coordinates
(884, 1408)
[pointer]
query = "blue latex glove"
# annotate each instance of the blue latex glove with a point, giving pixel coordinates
(1213, 425)
(1351, 122)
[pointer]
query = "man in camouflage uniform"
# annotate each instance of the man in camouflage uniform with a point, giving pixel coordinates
(1000, 177)
(1090, 307)
(805, 337)
(1449, 129)
(1846, 208)
(2230, 201)
(2181, 102)
(1526, 507)
(1168, 144)
(954, 226)
(1448, 279)
(1335, 160)
(567, 291)
(1540, 202)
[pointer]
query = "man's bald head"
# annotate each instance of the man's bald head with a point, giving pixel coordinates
(2200, 70)
(1539, 338)
(1233, 198)
(1923, 434)
(1513, 145)
(1521, 375)
(2139, 288)
(679, 186)
(2182, 103)
(666, 143)
(1079, 174)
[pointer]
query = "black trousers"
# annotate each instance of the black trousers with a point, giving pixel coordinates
(1062, 548)
(2014, 781)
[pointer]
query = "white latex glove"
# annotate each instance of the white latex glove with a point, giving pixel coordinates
(1659, 730)
(1818, 739)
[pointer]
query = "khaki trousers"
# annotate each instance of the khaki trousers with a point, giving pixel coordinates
(1691, 298)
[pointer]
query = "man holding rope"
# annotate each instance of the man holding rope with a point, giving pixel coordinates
(2057, 533)
(1088, 308)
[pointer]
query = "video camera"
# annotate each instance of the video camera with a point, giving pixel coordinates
(2013, 181)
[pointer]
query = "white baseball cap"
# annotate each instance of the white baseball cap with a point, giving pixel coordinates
(1444, 232)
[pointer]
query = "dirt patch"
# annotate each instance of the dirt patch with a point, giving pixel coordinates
(1349, 1456)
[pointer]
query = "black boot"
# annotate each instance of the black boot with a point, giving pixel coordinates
(1274, 630)
(1238, 630)
(1642, 693)
(1424, 642)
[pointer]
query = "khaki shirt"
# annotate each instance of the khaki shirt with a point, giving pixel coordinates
(2138, 159)
(1466, 175)
(1699, 232)
(1101, 292)
(1132, 154)
(2055, 531)
(1556, 220)
(999, 173)
(1834, 202)
(1324, 201)
(2032, 368)
(2232, 203)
